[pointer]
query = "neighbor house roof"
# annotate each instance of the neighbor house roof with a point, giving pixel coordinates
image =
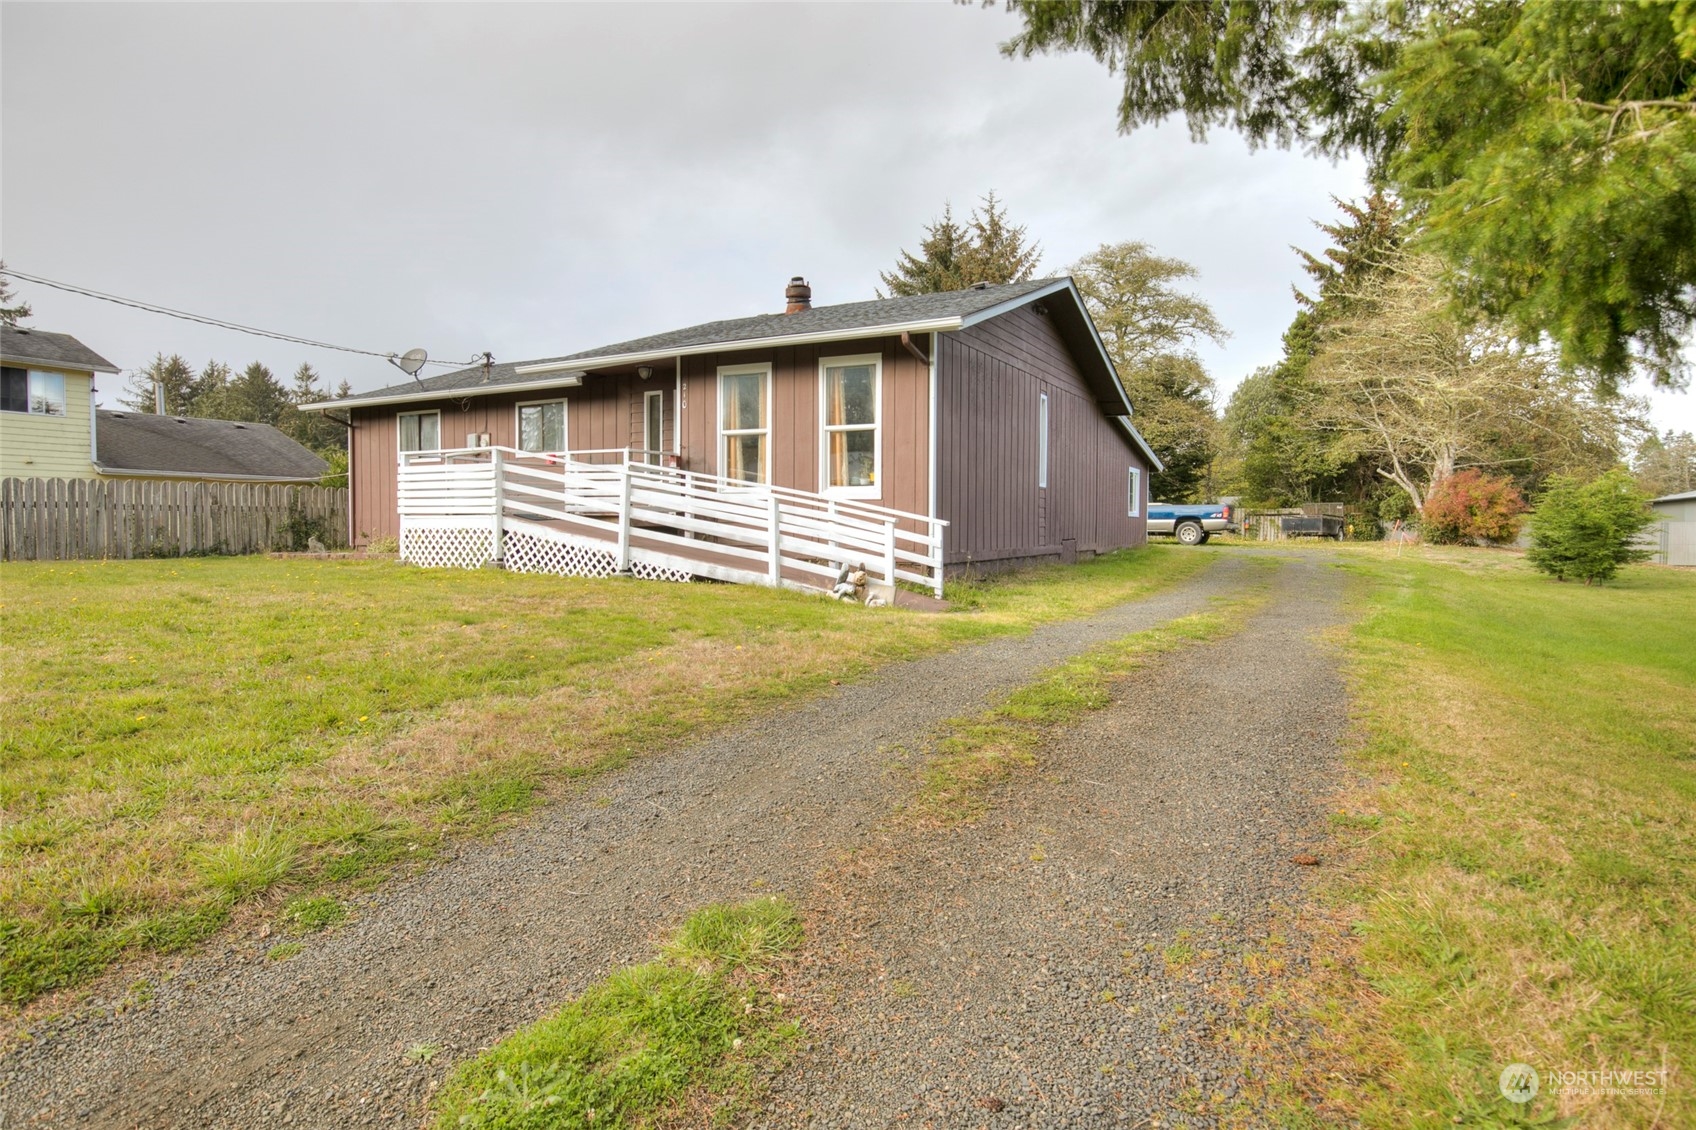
(55, 351)
(139, 443)
(1686, 496)
(921, 313)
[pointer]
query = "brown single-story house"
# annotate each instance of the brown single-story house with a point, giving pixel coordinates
(995, 409)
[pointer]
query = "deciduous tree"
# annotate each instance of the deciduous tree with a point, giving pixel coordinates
(1150, 327)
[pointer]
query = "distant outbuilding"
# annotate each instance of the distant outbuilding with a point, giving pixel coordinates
(1675, 534)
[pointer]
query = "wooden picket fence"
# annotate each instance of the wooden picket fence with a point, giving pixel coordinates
(66, 519)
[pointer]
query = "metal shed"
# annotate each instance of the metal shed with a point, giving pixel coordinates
(1674, 536)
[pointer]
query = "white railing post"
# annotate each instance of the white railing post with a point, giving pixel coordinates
(499, 527)
(624, 520)
(936, 558)
(889, 551)
(776, 542)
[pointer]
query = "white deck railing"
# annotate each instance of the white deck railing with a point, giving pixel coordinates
(667, 518)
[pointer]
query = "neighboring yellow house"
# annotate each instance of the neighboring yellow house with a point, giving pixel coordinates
(47, 404)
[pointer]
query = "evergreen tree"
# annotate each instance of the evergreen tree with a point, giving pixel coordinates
(953, 256)
(1542, 147)
(10, 313)
(211, 398)
(998, 252)
(1586, 531)
(939, 266)
(255, 396)
(1280, 458)
(171, 372)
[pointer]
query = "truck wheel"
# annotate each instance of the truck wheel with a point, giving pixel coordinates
(1191, 533)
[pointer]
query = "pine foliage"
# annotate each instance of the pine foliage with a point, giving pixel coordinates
(1586, 531)
(987, 248)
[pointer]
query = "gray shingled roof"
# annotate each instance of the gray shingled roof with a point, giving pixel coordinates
(844, 318)
(138, 443)
(20, 344)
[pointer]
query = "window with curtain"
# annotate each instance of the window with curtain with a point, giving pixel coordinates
(1042, 441)
(1134, 493)
(420, 431)
(744, 422)
(851, 424)
(541, 427)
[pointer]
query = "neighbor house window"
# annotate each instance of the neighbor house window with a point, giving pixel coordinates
(744, 421)
(850, 413)
(541, 427)
(1133, 506)
(1042, 440)
(26, 390)
(420, 431)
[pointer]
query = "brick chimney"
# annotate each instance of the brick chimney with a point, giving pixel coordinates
(798, 296)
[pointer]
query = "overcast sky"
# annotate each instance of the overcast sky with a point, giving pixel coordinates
(539, 180)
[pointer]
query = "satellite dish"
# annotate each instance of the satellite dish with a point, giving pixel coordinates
(410, 362)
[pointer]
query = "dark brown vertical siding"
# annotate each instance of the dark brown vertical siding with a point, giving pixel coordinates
(990, 383)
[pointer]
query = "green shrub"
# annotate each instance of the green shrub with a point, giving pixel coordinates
(1586, 531)
(1471, 506)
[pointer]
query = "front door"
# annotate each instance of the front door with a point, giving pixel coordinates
(653, 426)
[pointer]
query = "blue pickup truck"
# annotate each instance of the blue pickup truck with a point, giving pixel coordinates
(1191, 525)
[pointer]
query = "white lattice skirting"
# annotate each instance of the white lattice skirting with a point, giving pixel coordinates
(447, 548)
(524, 553)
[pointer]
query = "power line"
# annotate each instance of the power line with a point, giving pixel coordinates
(153, 308)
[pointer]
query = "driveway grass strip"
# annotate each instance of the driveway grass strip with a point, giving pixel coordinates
(187, 739)
(974, 754)
(702, 1021)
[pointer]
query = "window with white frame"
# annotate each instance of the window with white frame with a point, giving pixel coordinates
(744, 421)
(541, 426)
(851, 445)
(32, 391)
(1133, 505)
(420, 431)
(1042, 441)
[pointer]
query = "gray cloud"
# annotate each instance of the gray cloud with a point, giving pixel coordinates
(540, 179)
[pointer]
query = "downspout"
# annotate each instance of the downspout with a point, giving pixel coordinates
(350, 495)
(677, 415)
(935, 350)
(93, 428)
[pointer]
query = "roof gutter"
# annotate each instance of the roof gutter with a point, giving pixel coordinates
(133, 473)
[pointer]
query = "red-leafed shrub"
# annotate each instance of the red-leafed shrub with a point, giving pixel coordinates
(1472, 506)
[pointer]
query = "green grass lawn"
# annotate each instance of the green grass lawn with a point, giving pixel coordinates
(1526, 880)
(182, 738)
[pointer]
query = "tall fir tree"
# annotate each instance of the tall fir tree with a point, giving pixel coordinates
(987, 248)
(11, 312)
(174, 375)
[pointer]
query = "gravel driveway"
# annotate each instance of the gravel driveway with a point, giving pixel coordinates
(1052, 965)
(481, 943)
